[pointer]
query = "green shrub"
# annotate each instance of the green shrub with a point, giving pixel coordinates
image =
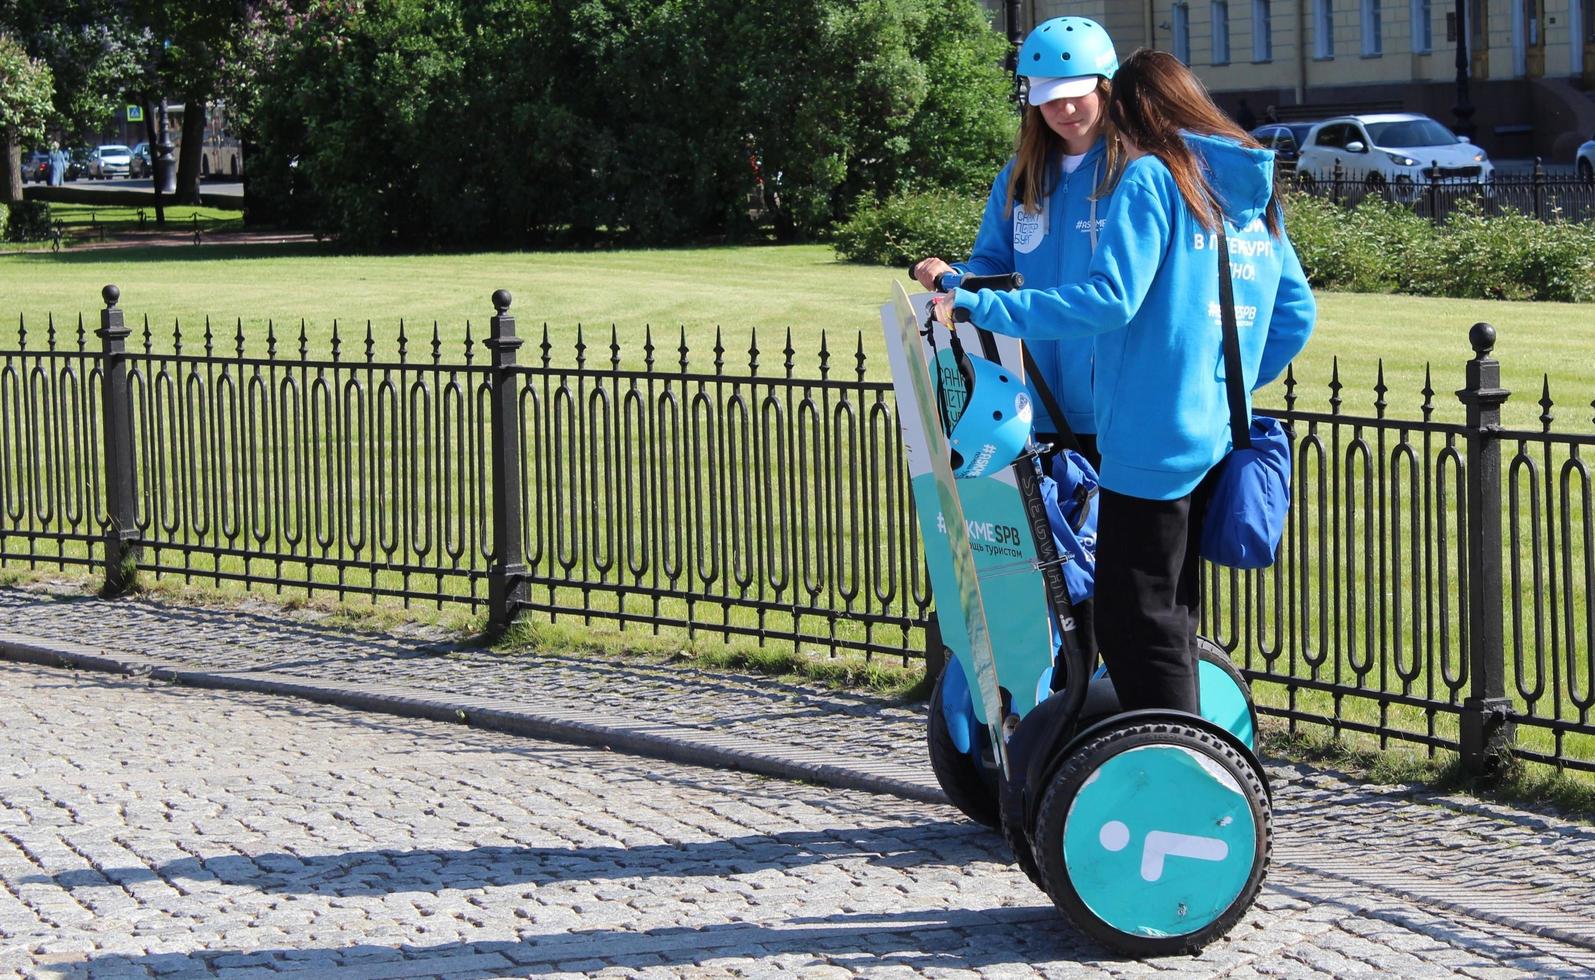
(1379, 247)
(908, 227)
(29, 221)
(1371, 248)
(1512, 256)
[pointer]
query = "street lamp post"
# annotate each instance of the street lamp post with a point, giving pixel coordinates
(1464, 107)
(1011, 63)
(165, 165)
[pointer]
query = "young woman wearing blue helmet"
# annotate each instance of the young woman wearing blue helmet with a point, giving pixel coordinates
(1150, 306)
(1044, 210)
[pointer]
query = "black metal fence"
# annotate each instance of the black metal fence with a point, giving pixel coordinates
(1434, 585)
(1438, 193)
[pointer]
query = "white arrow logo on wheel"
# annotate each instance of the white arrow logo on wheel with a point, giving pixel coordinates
(1160, 844)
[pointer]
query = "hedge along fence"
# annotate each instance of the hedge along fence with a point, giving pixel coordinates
(1433, 587)
(1375, 246)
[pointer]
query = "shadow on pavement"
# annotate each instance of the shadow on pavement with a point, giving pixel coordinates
(919, 941)
(391, 871)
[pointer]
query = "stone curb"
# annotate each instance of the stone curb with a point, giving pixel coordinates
(671, 743)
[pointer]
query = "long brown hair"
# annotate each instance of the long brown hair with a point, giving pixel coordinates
(1038, 149)
(1156, 98)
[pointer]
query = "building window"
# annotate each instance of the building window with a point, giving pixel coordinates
(1220, 32)
(1372, 29)
(1324, 29)
(1422, 27)
(1263, 30)
(1182, 32)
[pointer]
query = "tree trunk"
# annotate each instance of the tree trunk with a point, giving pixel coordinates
(189, 151)
(12, 165)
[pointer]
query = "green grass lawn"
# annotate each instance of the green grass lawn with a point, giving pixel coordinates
(739, 290)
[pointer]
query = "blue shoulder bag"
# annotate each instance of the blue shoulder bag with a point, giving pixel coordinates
(1250, 495)
(1069, 494)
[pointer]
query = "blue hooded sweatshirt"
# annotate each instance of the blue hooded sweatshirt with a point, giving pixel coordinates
(1049, 248)
(1151, 303)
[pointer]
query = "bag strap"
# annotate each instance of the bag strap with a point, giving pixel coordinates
(1066, 434)
(1239, 418)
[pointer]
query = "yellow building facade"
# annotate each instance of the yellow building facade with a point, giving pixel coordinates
(1531, 63)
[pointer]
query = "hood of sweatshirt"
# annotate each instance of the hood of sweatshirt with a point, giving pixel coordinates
(1243, 177)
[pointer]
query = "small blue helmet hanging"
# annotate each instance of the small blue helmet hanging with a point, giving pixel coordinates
(1063, 58)
(990, 421)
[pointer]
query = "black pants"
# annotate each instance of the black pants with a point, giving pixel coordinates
(1148, 597)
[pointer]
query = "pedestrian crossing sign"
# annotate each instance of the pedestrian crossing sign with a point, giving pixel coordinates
(135, 113)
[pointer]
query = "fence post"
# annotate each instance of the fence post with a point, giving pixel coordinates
(1336, 176)
(1487, 729)
(506, 578)
(1539, 190)
(121, 535)
(1434, 191)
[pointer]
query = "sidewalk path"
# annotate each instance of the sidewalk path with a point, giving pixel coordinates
(1366, 880)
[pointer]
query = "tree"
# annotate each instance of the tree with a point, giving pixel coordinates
(26, 86)
(446, 123)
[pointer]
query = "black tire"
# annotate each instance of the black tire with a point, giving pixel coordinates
(1058, 805)
(967, 784)
(1586, 171)
(1024, 852)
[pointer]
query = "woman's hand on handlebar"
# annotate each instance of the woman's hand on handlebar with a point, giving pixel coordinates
(942, 306)
(926, 271)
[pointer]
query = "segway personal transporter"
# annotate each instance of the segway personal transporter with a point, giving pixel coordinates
(1150, 830)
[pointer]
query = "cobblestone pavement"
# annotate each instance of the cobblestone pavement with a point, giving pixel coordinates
(744, 711)
(136, 835)
(148, 829)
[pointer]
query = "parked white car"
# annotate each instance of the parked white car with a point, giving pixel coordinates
(1586, 160)
(1395, 149)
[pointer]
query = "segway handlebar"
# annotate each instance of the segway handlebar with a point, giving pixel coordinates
(959, 280)
(953, 279)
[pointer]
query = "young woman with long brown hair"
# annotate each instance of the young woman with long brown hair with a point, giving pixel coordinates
(1149, 304)
(1045, 206)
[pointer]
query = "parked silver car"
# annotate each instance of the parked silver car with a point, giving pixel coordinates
(110, 160)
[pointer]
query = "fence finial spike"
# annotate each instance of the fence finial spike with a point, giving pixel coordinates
(111, 294)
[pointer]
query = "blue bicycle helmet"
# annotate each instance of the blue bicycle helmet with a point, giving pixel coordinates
(1063, 58)
(989, 420)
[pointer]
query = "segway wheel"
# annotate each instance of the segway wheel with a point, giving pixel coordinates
(1154, 838)
(1226, 697)
(967, 783)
